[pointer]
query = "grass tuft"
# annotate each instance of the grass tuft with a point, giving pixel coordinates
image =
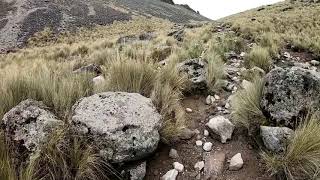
(259, 57)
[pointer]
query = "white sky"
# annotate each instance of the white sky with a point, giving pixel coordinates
(215, 9)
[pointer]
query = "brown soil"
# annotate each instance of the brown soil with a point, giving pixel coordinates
(190, 154)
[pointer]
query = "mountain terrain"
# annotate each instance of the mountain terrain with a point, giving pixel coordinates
(20, 19)
(161, 95)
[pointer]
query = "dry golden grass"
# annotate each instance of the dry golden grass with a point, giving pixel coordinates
(301, 158)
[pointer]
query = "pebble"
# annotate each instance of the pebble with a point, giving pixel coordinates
(173, 154)
(206, 133)
(207, 146)
(216, 97)
(188, 110)
(178, 166)
(170, 175)
(199, 143)
(227, 106)
(219, 108)
(210, 100)
(236, 162)
(199, 165)
(315, 62)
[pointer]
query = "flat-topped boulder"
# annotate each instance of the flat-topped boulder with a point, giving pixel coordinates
(123, 126)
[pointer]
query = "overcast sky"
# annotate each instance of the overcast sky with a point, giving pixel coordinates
(215, 9)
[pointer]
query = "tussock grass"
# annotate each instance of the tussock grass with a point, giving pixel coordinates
(215, 70)
(131, 76)
(246, 110)
(258, 57)
(301, 160)
(7, 171)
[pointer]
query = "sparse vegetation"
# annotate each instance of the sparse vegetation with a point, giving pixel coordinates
(301, 158)
(259, 57)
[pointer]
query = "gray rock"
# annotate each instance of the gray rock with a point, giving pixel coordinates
(178, 166)
(195, 69)
(207, 146)
(199, 165)
(276, 138)
(98, 80)
(170, 175)
(28, 126)
(210, 100)
(186, 134)
(122, 126)
(177, 34)
(288, 93)
(214, 164)
(173, 154)
(222, 127)
(138, 172)
(199, 143)
(236, 162)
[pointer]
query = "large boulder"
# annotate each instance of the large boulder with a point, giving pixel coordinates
(122, 126)
(28, 126)
(289, 93)
(196, 72)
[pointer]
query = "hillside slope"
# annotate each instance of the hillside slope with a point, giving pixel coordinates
(20, 19)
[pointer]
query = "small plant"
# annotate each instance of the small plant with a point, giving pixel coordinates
(246, 110)
(259, 57)
(215, 70)
(301, 160)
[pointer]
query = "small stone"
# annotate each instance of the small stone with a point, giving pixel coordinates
(216, 97)
(186, 134)
(98, 80)
(206, 132)
(207, 146)
(170, 175)
(199, 143)
(276, 138)
(199, 137)
(222, 127)
(286, 55)
(138, 172)
(219, 108)
(173, 154)
(188, 110)
(236, 162)
(178, 166)
(214, 164)
(199, 165)
(227, 106)
(210, 100)
(315, 63)
(242, 54)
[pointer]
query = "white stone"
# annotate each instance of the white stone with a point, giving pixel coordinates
(188, 110)
(170, 175)
(199, 165)
(236, 162)
(222, 127)
(219, 108)
(227, 106)
(207, 146)
(216, 97)
(242, 54)
(178, 166)
(210, 100)
(315, 62)
(98, 80)
(206, 132)
(199, 143)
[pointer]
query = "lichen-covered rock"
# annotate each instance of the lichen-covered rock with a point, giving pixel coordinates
(28, 126)
(288, 93)
(123, 126)
(196, 72)
(275, 138)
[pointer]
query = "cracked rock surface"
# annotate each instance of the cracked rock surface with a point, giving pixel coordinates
(123, 126)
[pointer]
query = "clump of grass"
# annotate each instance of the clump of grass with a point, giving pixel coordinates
(131, 76)
(301, 160)
(271, 41)
(66, 156)
(57, 91)
(7, 171)
(215, 70)
(246, 110)
(258, 57)
(166, 96)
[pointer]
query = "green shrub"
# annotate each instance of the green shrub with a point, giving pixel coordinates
(301, 160)
(259, 57)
